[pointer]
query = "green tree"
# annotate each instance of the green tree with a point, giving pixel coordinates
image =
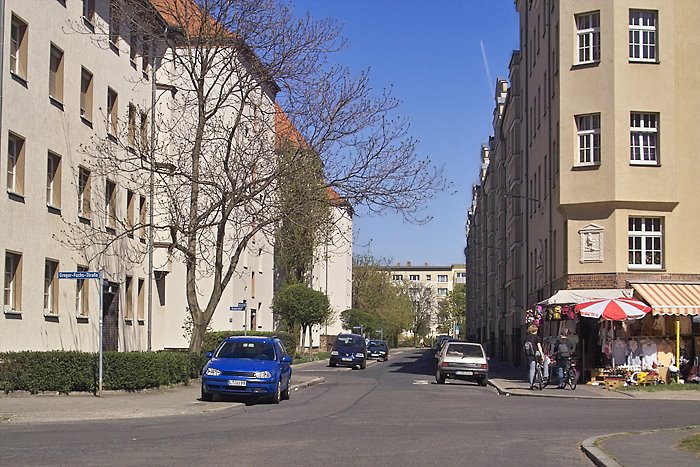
(353, 318)
(302, 306)
(452, 310)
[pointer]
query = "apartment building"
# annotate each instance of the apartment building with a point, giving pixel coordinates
(78, 82)
(440, 280)
(587, 181)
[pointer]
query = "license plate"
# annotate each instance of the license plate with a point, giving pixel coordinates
(346, 359)
(465, 373)
(236, 382)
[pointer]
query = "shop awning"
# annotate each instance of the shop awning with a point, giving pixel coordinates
(582, 295)
(670, 299)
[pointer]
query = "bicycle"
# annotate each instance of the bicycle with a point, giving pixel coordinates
(539, 381)
(570, 374)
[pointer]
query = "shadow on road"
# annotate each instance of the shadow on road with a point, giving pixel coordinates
(422, 363)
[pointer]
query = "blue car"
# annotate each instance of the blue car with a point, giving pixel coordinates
(248, 366)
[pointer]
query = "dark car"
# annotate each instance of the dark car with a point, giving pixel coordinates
(378, 349)
(349, 350)
(248, 366)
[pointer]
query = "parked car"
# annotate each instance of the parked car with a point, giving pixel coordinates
(378, 349)
(462, 360)
(248, 366)
(439, 343)
(349, 350)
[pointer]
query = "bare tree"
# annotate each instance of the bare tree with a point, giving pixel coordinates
(423, 302)
(222, 67)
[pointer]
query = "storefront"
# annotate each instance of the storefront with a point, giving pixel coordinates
(639, 351)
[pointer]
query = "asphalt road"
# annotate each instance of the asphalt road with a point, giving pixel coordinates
(391, 414)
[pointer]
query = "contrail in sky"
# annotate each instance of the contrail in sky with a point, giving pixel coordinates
(486, 66)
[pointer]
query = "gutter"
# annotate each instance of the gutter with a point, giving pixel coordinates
(2, 56)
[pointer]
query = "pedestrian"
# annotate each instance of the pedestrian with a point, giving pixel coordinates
(562, 352)
(533, 351)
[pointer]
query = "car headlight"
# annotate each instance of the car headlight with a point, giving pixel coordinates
(212, 372)
(382, 352)
(262, 375)
(334, 352)
(360, 355)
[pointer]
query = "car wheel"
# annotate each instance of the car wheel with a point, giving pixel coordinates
(332, 364)
(439, 377)
(206, 396)
(483, 381)
(277, 395)
(286, 392)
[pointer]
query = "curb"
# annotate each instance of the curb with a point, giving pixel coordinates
(597, 455)
(518, 392)
(311, 382)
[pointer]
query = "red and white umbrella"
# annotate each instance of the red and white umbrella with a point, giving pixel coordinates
(614, 309)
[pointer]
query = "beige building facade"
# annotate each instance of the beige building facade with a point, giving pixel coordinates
(588, 180)
(70, 79)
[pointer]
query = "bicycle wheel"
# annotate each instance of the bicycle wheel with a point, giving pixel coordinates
(572, 377)
(539, 379)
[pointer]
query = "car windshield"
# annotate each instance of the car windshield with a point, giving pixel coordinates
(347, 341)
(242, 349)
(465, 350)
(376, 344)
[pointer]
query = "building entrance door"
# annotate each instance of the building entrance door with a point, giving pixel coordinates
(110, 316)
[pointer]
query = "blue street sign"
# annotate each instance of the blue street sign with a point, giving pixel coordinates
(239, 307)
(78, 275)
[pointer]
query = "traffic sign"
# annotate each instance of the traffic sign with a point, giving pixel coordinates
(78, 275)
(239, 307)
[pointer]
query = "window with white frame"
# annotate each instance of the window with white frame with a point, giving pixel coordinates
(442, 278)
(84, 189)
(143, 211)
(414, 277)
(642, 36)
(644, 131)
(18, 47)
(81, 295)
(51, 287)
(111, 205)
(442, 292)
(56, 74)
(141, 300)
(89, 10)
(130, 212)
(397, 277)
(12, 296)
(112, 111)
(588, 128)
(645, 243)
(588, 37)
(86, 95)
(131, 127)
(129, 299)
(428, 277)
(15, 164)
(114, 23)
(53, 180)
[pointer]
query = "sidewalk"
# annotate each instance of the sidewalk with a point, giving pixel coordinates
(617, 449)
(177, 400)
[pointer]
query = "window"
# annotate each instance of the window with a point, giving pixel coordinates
(146, 57)
(15, 164)
(53, 180)
(51, 287)
(643, 138)
(642, 36)
(81, 296)
(128, 299)
(397, 277)
(86, 95)
(131, 132)
(18, 47)
(12, 298)
(645, 236)
(428, 277)
(89, 10)
(442, 292)
(56, 74)
(588, 127)
(442, 278)
(84, 189)
(111, 205)
(588, 37)
(114, 24)
(144, 132)
(142, 218)
(414, 277)
(134, 49)
(112, 111)
(140, 300)
(130, 212)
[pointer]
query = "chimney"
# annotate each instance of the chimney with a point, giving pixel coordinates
(408, 263)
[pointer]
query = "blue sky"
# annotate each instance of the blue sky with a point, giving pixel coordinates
(430, 51)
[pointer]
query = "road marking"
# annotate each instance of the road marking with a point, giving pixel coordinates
(421, 381)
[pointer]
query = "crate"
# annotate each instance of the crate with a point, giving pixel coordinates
(614, 383)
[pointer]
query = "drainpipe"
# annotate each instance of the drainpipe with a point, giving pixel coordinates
(2, 55)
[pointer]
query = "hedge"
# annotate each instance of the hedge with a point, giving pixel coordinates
(71, 371)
